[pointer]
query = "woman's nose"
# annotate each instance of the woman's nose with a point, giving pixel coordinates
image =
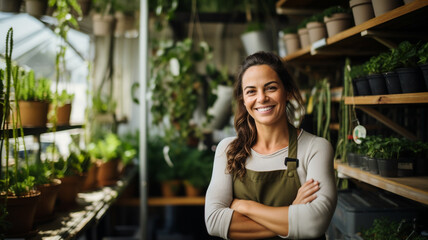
(262, 97)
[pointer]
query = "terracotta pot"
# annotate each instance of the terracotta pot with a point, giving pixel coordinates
(21, 212)
(292, 42)
(70, 186)
(383, 6)
(36, 8)
(124, 23)
(103, 25)
(191, 191)
(10, 5)
(108, 173)
(337, 23)
(33, 114)
(362, 10)
(316, 31)
(304, 37)
(170, 188)
(46, 205)
(90, 182)
(62, 114)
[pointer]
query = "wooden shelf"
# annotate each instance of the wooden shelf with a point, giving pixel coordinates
(176, 201)
(415, 188)
(411, 17)
(90, 208)
(405, 98)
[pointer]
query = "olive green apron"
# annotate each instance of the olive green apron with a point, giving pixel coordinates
(274, 188)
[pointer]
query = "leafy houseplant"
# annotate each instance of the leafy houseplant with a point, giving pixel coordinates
(316, 27)
(410, 79)
(63, 108)
(106, 151)
(375, 78)
(337, 19)
(175, 85)
(33, 98)
(423, 61)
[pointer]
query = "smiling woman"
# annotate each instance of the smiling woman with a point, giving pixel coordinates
(272, 180)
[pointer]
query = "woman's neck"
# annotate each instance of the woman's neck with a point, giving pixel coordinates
(271, 138)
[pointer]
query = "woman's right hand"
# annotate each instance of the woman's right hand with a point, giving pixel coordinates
(306, 192)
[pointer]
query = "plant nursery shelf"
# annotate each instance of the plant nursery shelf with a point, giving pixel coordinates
(405, 98)
(90, 208)
(360, 40)
(164, 201)
(415, 188)
(39, 130)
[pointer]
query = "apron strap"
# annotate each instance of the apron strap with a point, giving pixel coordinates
(292, 141)
(291, 161)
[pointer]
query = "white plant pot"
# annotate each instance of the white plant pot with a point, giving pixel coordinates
(222, 108)
(257, 41)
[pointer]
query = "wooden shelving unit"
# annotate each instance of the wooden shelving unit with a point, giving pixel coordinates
(415, 188)
(164, 201)
(359, 40)
(405, 98)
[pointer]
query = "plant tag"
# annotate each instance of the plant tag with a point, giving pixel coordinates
(359, 132)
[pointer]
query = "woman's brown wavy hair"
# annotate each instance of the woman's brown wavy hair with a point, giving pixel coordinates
(240, 148)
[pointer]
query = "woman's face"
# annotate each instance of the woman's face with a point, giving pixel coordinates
(264, 95)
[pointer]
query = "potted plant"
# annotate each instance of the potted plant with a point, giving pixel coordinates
(33, 98)
(106, 153)
(303, 33)
(162, 169)
(316, 27)
(10, 5)
(389, 153)
(423, 61)
(49, 186)
(383, 6)
(291, 40)
(359, 80)
(220, 101)
(36, 8)
(375, 78)
(125, 16)
(197, 169)
(337, 19)
(256, 38)
(103, 19)
(373, 152)
(389, 62)
(63, 103)
(18, 200)
(69, 171)
(362, 10)
(408, 73)
(352, 154)
(176, 85)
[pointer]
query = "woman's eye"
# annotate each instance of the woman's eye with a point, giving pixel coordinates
(250, 92)
(271, 88)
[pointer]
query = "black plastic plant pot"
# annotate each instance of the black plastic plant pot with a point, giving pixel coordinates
(405, 167)
(354, 86)
(387, 167)
(410, 80)
(372, 165)
(363, 87)
(353, 160)
(424, 69)
(364, 165)
(392, 82)
(377, 84)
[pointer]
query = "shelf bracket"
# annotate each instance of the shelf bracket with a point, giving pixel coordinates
(380, 37)
(388, 122)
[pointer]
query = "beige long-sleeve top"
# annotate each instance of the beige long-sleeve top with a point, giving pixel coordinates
(309, 220)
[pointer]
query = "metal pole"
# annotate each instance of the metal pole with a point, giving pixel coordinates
(143, 42)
